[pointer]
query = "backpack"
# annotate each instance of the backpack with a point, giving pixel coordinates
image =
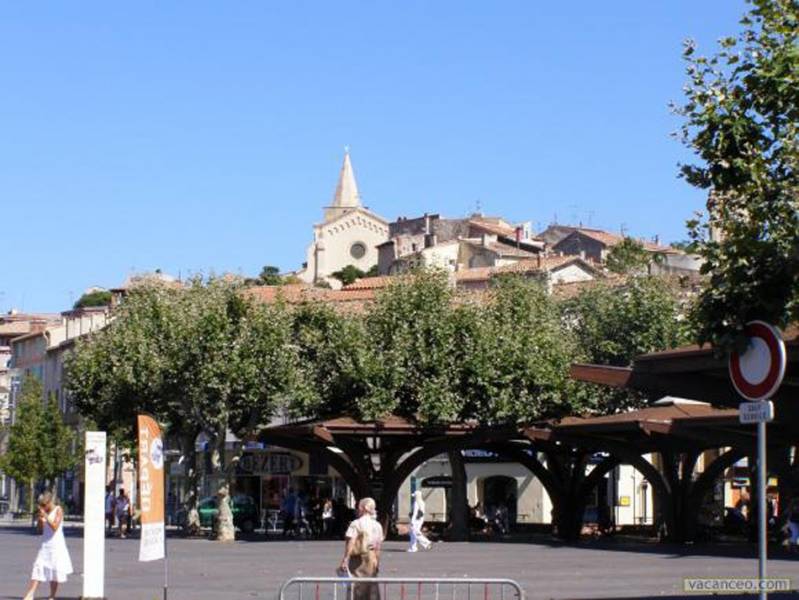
(362, 542)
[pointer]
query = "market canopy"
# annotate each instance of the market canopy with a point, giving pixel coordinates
(695, 372)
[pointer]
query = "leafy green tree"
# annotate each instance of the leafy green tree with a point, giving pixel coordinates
(270, 275)
(336, 359)
(350, 273)
(58, 450)
(515, 355)
(741, 118)
(628, 256)
(411, 335)
(95, 298)
(39, 443)
(684, 245)
(424, 352)
(613, 324)
(22, 459)
(202, 358)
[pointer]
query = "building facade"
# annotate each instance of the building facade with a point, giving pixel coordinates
(348, 235)
(41, 353)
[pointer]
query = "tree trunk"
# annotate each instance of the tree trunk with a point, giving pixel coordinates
(459, 507)
(225, 530)
(192, 524)
(568, 517)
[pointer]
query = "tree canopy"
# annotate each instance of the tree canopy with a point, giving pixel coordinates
(205, 358)
(202, 358)
(95, 298)
(628, 256)
(351, 273)
(39, 443)
(741, 118)
(613, 324)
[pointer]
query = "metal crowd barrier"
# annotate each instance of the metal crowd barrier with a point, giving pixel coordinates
(401, 588)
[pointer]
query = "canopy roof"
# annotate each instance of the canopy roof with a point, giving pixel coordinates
(391, 426)
(689, 372)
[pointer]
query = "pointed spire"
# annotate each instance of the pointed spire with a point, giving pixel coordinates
(346, 196)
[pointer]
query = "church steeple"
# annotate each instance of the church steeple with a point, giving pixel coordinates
(346, 197)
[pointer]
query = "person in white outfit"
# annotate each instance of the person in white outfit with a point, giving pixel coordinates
(52, 562)
(417, 522)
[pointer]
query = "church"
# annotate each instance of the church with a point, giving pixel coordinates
(348, 235)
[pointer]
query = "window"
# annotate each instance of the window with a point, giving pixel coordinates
(358, 250)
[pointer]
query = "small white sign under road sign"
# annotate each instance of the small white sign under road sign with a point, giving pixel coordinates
(756, 412)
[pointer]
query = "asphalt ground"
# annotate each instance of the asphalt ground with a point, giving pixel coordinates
(203, 569)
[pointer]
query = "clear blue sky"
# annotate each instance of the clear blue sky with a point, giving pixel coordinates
(200, 137)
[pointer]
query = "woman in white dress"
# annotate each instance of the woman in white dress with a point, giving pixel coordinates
(417, 522)
(52, 562)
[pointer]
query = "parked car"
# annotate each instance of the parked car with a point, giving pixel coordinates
(246, 515)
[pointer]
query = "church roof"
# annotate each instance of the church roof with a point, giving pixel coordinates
(334, 218)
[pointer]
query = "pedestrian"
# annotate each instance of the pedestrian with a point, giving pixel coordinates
(110, 501)
(327, 517)
(793, 525)
(52, 562)
(362, 550)
(418, 538)
(288, 506)
(123, 511)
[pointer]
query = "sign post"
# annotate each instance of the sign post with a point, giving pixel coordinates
(756, 375)
(94, 516)
(151, 493)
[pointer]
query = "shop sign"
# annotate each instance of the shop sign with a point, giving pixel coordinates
(442, 481)
(269, 463)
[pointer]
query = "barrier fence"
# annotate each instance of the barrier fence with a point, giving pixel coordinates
(400, 588)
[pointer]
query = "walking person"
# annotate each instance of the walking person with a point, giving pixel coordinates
(123, 510)
(362, 550)
(52, 562)
(328, 518)
(287, 508)
(110, 501)
(793, 525)
(418, 538)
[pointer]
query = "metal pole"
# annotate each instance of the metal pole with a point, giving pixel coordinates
(166, 553)
(761, 507)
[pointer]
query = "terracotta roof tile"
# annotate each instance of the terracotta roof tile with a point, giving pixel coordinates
(299, 293)
(611, 239)
(369, 283)
(492, 227)
(546, 263)
(476, 274)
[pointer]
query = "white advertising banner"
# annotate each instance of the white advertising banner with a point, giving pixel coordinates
(94, 516)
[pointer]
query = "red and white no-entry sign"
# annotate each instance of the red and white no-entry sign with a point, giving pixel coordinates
(758, 372)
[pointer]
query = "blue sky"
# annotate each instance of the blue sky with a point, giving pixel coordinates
(206, 137)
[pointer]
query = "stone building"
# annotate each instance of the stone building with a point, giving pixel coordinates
(454, 244)
(348, 235)
(595, 244)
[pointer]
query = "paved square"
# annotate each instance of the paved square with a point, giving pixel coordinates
(201, 569)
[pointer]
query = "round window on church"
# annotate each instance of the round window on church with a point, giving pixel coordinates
(358, 250)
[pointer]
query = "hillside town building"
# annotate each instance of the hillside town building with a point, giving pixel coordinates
(595, 244)
(454, 244)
